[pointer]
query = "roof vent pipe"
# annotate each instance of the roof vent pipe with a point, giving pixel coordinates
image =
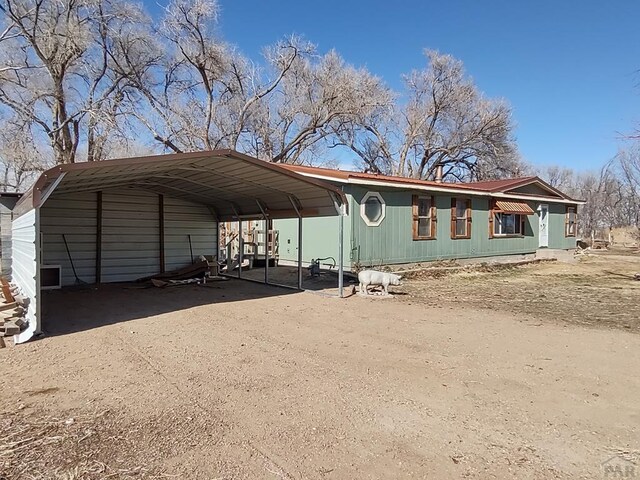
(439, 174)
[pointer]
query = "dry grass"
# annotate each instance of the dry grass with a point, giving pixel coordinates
(36, 445)
(599, 290)
(447, 268)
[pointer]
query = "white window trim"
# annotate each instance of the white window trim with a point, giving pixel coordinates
(519, 223)
(367, 196)
(568, 224)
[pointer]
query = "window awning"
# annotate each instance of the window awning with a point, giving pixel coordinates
(521, 208)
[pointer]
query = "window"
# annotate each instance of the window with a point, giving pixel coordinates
(508, 218)
(372, 209)
(460, 218)
(570, 221)
(505, 224)
(424, 217)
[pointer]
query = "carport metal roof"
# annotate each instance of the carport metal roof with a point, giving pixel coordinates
(232, 184)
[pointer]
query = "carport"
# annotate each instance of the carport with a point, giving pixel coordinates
(119, 220)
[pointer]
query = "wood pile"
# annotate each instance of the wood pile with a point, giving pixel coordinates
(196, 270)
(599, 244)
(12, 311)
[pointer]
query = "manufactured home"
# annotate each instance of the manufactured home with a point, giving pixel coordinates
(397, 220)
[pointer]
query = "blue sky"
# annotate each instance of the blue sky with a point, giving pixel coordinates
(569, 68)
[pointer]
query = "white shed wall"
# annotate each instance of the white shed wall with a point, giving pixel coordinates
(24, 273)
(75, 216)
(130, 235)
(6, 205)
(181, 219)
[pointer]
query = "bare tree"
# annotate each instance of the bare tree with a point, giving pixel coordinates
(212, 97)
(206, 91)
(558, 177)
(445, 122)
(604, 195)
(86, 73)
(66, 67)
(20, 158)
(611, 194)
(124, 56)
(316, 98)
(194, 82)
(626, 165)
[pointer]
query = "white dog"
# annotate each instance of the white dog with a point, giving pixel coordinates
(373, 277)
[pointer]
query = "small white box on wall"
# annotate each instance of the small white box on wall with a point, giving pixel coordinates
(50, 277)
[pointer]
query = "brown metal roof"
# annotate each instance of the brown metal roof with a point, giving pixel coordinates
(521, 208)
(346, 175)
(503, 184)
(230, 183)
(490, 186)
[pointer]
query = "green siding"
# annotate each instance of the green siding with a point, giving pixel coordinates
(392, 242)
(556, 227)
(532, 189)
(319, 238)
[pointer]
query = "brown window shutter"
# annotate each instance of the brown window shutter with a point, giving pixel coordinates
(453, 217)
(491, 216)
(434, 217)
(492, 207)
(414, 213)
(469, 218)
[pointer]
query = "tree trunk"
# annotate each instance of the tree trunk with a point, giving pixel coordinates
(65, 143)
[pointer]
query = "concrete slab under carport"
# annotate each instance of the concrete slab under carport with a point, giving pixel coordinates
(287, 275)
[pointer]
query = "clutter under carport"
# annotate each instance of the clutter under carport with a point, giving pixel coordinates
(206, 267)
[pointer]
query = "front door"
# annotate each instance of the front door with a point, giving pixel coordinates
(543, 226)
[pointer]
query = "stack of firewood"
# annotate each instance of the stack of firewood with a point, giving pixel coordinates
(12, 311)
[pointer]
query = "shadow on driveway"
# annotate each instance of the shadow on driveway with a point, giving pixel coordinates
(76, 309)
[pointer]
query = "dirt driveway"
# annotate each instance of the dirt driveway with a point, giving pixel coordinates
(237, 380)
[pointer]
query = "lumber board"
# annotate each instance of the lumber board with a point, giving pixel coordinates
(6, 291)
(7, 306)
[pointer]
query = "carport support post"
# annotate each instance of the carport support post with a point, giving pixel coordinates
(299, 251)
(341, 254)
(266, 250)
(297, 210)
(266, 242)
(99, 238)
(161, 229)
(217, 245)
(241, 248)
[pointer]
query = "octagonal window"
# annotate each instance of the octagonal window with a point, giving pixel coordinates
(372, 209)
